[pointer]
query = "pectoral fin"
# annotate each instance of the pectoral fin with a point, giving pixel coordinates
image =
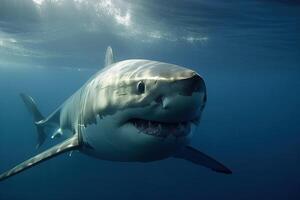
(199, 158)
(68, 145)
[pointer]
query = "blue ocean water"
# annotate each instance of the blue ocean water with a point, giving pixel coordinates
(248, 52)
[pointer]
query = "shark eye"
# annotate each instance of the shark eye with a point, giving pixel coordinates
(140, 87)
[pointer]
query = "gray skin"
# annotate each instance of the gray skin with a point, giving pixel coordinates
(130, 111)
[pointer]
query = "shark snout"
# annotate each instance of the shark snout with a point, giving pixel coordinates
(193, 84)
(183, 98)
(186, 87)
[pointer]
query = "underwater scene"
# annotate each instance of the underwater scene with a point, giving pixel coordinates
(149, 99)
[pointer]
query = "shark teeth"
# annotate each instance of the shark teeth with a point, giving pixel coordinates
(161, 129)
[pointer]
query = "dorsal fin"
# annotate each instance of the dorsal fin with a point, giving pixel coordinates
(109, 57)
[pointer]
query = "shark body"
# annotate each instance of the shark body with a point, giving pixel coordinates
(130, 111)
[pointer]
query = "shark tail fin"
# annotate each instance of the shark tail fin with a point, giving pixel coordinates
(37, 116)
(66, 146)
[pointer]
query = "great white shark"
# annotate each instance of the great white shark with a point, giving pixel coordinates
(130, 111)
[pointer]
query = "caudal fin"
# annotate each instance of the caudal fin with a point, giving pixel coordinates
(37, 116)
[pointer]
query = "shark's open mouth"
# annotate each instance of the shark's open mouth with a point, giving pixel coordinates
(161, 129)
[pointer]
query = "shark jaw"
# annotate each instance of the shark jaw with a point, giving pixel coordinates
(134, 139)
(145, 133)
(160, 129)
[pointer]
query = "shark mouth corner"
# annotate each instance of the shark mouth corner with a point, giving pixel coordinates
(161, 129)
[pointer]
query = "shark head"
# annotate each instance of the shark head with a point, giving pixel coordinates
(143, 110)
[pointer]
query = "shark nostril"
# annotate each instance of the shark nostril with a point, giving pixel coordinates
(162, 101)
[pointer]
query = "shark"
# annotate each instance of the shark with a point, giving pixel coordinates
(134, 110)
